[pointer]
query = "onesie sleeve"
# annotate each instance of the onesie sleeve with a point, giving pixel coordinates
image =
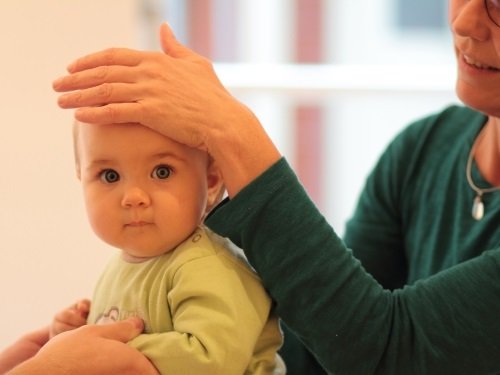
(218, 313)
(447, 323)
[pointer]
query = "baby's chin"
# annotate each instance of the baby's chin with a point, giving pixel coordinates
(129, 258)
(142, 255)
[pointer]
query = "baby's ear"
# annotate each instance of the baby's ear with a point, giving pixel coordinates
(215, 186)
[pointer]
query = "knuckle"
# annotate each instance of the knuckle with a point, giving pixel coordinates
(110, 114)
(76, 97)
(205, 62)
(105, 91)
(110, 56)
(153, 69)
(196, 140)
(101, 73)
(155, 57)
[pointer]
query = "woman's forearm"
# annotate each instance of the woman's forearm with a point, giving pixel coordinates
(445, 324)
(23, 349)
(243, 153)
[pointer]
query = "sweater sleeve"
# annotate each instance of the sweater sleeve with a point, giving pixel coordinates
(375, 231)
(446, 324)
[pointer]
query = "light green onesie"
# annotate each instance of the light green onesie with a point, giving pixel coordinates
(204, 308)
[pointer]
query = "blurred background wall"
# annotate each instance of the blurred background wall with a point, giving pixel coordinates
(332, 81)
(49, 256)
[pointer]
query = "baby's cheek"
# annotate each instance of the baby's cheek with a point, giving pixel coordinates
(103, 226)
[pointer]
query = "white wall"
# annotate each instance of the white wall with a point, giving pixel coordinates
(49, 257)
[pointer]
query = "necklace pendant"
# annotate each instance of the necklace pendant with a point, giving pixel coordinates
(478, 208)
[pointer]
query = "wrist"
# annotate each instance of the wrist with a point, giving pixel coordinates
(243, 151)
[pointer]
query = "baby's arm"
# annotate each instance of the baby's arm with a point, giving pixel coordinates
(217, 317)
(70, 318)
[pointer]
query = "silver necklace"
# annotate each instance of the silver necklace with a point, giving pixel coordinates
(477, 205)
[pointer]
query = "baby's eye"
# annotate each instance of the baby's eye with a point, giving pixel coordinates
(109, 176)
(162, 172)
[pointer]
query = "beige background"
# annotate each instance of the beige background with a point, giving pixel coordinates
(49, 256)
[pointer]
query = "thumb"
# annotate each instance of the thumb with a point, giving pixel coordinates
(83, 306)
(124, 330)
(169, 43)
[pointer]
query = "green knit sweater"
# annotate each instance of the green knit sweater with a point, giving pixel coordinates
(413, 222)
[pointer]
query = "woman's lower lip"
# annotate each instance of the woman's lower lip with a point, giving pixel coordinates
(472, 69)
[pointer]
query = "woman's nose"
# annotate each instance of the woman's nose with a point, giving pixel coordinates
(471, 20)
(135, 197)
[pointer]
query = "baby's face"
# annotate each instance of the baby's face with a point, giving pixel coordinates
(144, 193)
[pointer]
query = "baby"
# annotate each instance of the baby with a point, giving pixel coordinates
(205, 310)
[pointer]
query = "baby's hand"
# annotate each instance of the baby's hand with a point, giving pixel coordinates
(70, 318)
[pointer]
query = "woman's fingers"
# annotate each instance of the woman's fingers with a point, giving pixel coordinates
(171, 46)
(96, 76)
(110, 56)
(106, 93)
(118, 113)
(124, 330)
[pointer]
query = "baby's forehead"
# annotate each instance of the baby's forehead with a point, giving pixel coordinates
(131, 138)
(123, 133)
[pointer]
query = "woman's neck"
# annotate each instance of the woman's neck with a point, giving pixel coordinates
(487, 153)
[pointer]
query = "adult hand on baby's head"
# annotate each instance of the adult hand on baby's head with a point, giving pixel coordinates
(176, 93)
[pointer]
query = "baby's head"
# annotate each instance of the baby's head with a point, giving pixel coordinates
(144, 192)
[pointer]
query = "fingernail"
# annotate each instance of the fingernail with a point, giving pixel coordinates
(71, 67)
(79, 112)
(62, 100)
(138, 322)
(57, 82)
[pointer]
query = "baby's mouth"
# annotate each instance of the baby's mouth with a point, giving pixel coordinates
(137, 224)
